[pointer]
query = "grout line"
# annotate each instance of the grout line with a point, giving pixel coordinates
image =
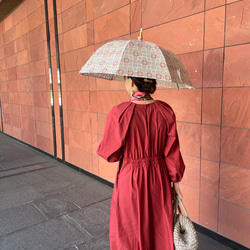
(51, 156)
(79, 208)
(77, 224)
(114, 90)
(232, 203)
(216, 197)
(130, 33)
(197, 157)
(130, 20)
(118, 9)
(141, 13)
(150, 27)
(191, 52)
(94, 203)
(114, 10)
(29, 165)
(26, 172)
(40, 210)
(202, 92)
(221, 119)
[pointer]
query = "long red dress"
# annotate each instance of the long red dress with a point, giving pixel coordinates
(143, 138)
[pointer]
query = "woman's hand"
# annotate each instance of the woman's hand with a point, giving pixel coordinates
(177, 189)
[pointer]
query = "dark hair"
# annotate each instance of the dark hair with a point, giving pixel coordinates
(144, 84)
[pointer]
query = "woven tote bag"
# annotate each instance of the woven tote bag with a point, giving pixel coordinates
(185, 237)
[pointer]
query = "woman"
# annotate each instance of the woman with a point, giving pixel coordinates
(141, 134)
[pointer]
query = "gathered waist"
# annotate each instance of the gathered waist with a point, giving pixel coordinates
(143, 161)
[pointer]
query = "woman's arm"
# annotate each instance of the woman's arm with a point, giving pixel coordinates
(177, 189)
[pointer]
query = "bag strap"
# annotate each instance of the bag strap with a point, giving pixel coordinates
(178, 204)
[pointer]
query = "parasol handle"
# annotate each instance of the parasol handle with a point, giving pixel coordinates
(140, 36)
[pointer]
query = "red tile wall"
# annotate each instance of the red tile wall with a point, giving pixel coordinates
(24, 87)
(211, 38)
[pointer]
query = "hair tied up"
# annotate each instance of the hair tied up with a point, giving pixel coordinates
(147, 80)
(144, 84)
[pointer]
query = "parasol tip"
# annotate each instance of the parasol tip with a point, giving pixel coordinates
(140, 36)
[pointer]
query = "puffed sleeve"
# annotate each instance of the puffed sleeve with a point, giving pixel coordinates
(116, 127)
(172, 152)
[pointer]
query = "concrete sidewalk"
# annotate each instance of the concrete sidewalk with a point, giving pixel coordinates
(45, 205)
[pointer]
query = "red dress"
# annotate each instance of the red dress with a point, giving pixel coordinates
(143, 138)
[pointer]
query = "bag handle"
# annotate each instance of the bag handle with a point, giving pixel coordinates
(177, 203)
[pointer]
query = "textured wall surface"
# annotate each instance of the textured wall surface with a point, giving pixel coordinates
(211, 38)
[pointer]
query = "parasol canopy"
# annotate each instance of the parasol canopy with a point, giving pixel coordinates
(137, 58)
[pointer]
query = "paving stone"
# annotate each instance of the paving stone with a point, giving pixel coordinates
(50, 235)
(55, 205)
(9, 183)
(15, 151)
(18, 196)
(45, 184)
(94, 218)
(5, 144)
(19, 217)
(67, 174)
(95, 243)
(89, 193)
(31, 178)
